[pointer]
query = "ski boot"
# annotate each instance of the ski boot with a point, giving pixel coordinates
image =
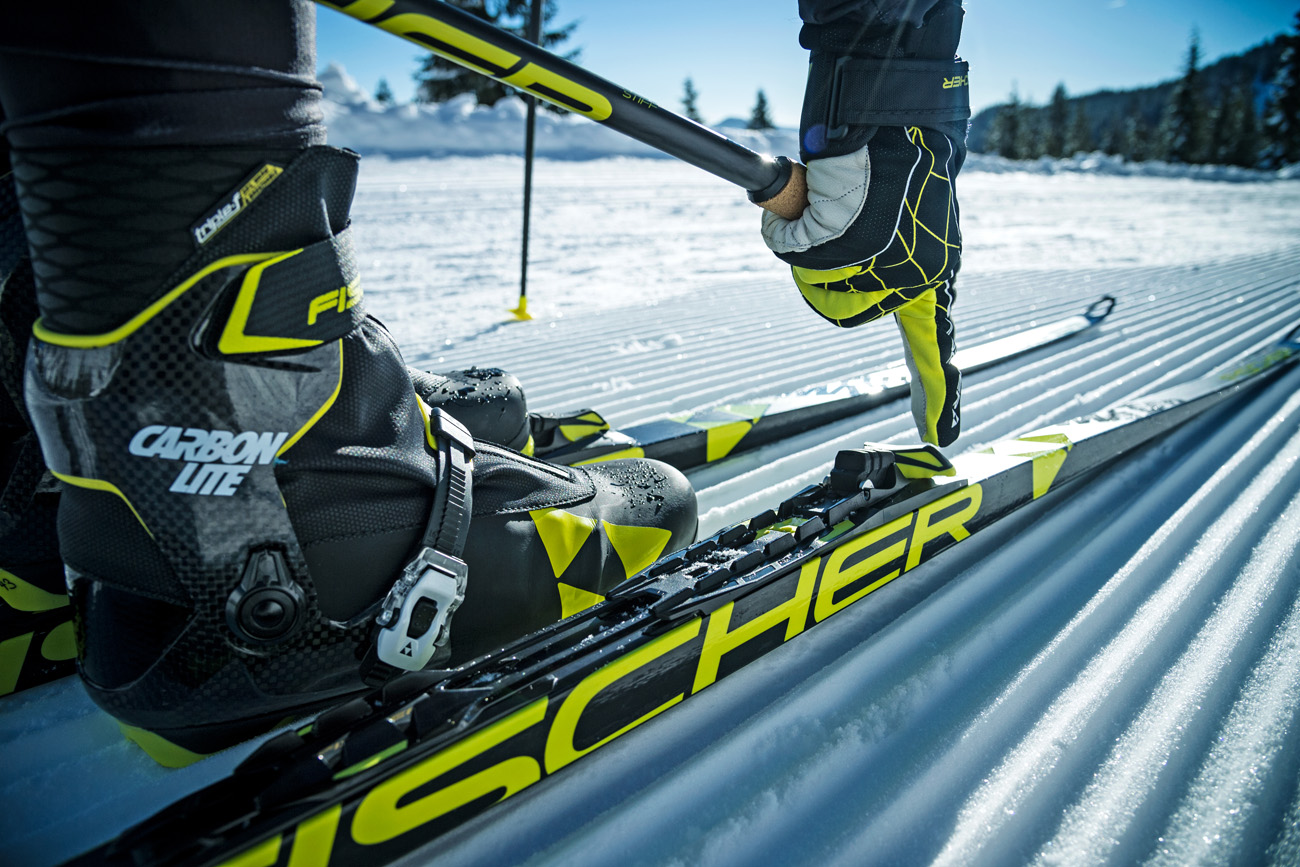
(36, 640)
(261, 513)
(489, 402)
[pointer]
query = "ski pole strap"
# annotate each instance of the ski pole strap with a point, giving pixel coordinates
(897, 92)
(414, 620)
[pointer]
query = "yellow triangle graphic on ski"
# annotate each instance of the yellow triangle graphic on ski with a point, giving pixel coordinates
(61, 643)
(724, 437)
(563, 534)
(575, 599)
(1038, 448)
(584, 426)
(161, 750)
(634, 452)
(1058, 438)
(1031, 446)
(637, 547)
(1046, 467)
(753, 411)
(13, 652)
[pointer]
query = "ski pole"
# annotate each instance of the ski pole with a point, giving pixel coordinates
(530, 131)
(774, 183)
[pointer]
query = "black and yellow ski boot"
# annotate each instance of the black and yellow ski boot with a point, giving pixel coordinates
(261, 512)
(489, 402)
(36, 637)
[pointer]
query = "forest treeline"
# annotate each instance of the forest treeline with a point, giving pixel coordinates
(1241, 110)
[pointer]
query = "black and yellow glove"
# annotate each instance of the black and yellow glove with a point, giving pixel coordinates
(883, 134)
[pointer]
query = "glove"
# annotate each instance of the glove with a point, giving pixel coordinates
(883, 135)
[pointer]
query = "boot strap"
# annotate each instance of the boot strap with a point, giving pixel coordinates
(414, 620)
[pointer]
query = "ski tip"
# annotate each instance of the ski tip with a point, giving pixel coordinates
(1100, 309)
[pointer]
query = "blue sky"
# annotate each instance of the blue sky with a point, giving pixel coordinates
(731, 48)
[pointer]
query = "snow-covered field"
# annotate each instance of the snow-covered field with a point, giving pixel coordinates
(1110, 675)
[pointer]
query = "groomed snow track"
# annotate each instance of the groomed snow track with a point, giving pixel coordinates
(1108, 676)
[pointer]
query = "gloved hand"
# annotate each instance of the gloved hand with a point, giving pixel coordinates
(883, 135)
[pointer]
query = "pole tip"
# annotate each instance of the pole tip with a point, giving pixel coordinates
(521, 312)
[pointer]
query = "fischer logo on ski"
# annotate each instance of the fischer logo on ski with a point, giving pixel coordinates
(216, 460)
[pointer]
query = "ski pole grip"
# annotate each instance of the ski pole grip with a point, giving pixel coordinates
(787, 196)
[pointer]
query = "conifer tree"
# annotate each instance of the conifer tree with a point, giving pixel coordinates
(689, 97)
(438, 79)
(1243, 142)
(384, 93)
(1079, 139)
(1183, 127)
(1033, 134)
(1282, 117)
(1004, 134)
(1058, 124)
(1112, 138)
(761, 117)
(1137, 143)
(1216, 132)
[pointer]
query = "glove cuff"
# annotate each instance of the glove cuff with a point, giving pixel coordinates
(896, 92)
(863, 76)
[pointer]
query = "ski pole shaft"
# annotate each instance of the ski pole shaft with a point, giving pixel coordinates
(530, 129)
(774, 183)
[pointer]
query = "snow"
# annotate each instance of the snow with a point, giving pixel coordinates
(459, 127)
(1108, 676)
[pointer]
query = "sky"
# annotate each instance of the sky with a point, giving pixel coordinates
(733, 48)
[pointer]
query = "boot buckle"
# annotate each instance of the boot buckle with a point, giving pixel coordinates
(415, 616)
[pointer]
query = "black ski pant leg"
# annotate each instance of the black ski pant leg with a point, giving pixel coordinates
(125, 120)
